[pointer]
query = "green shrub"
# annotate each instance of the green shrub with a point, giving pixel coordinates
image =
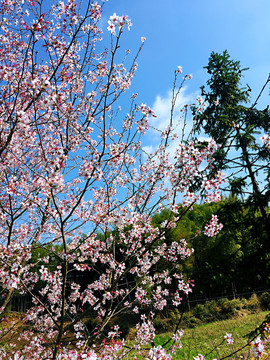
(229, 307)
(264, 300)
(236, 305)
(201, 312)
(212, 309)
(221, 301)
(189, 321)
(244, 303)
(163, 324)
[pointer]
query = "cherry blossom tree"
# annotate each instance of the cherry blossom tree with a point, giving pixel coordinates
(77, 185)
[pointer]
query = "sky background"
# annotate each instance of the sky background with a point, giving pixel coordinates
(185, 32)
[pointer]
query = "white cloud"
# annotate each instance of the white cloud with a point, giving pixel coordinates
(204, 138)
(163, 106)
(148, 149)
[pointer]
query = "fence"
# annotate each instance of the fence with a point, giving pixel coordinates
(20, 303)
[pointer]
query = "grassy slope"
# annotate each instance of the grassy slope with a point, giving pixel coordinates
(203, 339)
(207, 339)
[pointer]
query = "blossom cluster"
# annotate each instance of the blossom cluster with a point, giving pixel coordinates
(257, 347)
(258, 344)
(158, 353)
(118, 22)
(266, 140)
(213, 228)
(229, 338)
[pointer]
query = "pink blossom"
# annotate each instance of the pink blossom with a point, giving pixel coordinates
(199, 357)
(213, 228)
(266, 140)
(229, 338)
(158, 353)
(257, 347)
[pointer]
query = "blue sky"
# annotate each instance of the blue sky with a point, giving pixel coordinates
(184, 32)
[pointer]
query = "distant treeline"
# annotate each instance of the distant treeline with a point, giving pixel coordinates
(235, 261)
